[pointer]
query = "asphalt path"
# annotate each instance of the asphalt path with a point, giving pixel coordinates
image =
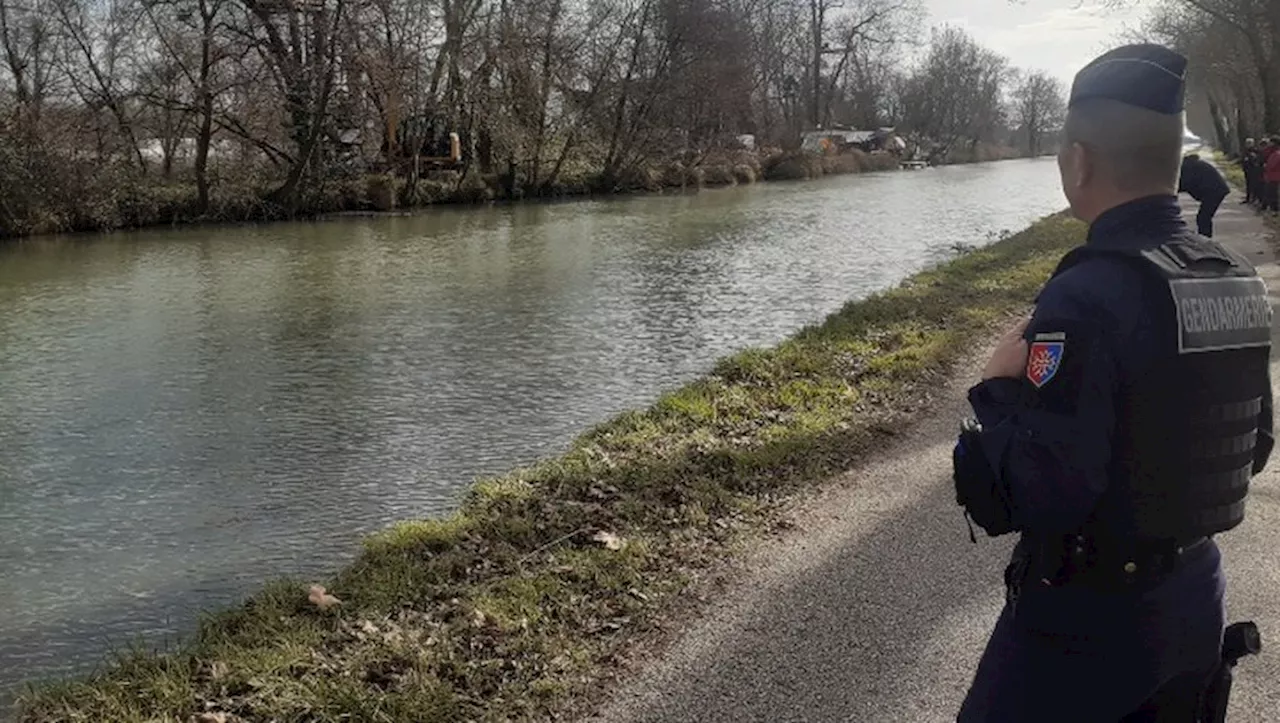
(875, 607)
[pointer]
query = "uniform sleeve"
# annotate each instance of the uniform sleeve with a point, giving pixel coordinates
(1048, 433)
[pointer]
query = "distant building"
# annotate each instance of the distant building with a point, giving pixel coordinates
(837, 140)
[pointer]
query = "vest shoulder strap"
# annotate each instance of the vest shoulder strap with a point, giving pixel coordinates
(1182, 257)
(1196, 257)
(1220, 301)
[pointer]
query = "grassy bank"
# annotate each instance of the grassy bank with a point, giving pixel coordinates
(109, 199)
(515, 606)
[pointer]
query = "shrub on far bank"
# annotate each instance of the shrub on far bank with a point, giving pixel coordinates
(801, 165)
(793, 166)
(719, 175)
(41, 194)
(880, 162)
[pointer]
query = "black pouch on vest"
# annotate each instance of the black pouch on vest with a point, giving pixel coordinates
(978, 489)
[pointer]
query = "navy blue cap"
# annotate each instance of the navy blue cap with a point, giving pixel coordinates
(1144, 75)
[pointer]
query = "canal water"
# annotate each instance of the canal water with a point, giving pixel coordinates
(186, 413)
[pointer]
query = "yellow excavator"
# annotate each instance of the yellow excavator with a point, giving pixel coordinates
(421, 142)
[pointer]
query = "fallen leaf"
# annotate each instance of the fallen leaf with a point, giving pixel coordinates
(609, 540)
(209, 718)
(322, 599)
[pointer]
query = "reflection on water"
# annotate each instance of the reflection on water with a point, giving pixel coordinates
(187, 413)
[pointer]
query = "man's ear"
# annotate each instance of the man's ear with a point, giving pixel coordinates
(1083, 165)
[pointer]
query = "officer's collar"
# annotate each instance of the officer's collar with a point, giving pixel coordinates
(1141, 220)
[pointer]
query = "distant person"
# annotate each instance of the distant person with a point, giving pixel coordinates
(1251, 164)
(1205, 184)
(1271, 177)
(1117, 430)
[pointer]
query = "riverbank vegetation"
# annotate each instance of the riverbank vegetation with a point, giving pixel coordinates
(517, 605)
(140, 112)
(1233, 79)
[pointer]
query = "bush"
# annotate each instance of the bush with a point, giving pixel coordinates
(382, 191)
(675, 175)
(880, 162)
(718, 175)
(472, 189)
(850, 162)
(576, 180)
(744, 173)
(427, 191)
(646, 178)
(793, 166)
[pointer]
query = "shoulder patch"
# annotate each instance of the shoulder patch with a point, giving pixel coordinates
(1220, 314)
(1044, 357)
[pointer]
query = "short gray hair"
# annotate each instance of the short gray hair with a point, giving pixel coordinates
(1138, 150)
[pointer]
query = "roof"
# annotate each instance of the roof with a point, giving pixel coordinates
(846, 136)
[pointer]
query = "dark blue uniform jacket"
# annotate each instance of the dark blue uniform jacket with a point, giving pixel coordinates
(1202, 180)
(1054, 456)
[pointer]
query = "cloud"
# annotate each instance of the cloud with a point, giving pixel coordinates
(1059, 21)
(1058, 36)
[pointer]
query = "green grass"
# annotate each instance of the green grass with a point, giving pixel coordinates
(515, 606)
(1231, 170)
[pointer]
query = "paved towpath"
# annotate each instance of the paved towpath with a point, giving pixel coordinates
(875, 607)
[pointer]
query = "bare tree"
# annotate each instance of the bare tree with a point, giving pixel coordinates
(839, 29)
(298, 41)
(97, 55)
(1242, 34)
(1039, 106)
(27, 45)
(283, 100)
(957, 94)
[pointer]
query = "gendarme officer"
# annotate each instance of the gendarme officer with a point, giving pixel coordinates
(1118, 429)
(1204, 183)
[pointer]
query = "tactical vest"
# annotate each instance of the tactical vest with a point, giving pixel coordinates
(1185, 432)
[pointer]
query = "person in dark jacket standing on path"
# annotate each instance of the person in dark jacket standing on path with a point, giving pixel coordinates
(1251, 164)
(1117, 429)
(1206, 185)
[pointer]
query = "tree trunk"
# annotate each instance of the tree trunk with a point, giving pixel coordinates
(205, 134)
(544, 90)
(1268, 77)
(817, 13)
(1220, 132)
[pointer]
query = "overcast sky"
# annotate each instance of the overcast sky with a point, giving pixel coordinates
(1058, 36)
